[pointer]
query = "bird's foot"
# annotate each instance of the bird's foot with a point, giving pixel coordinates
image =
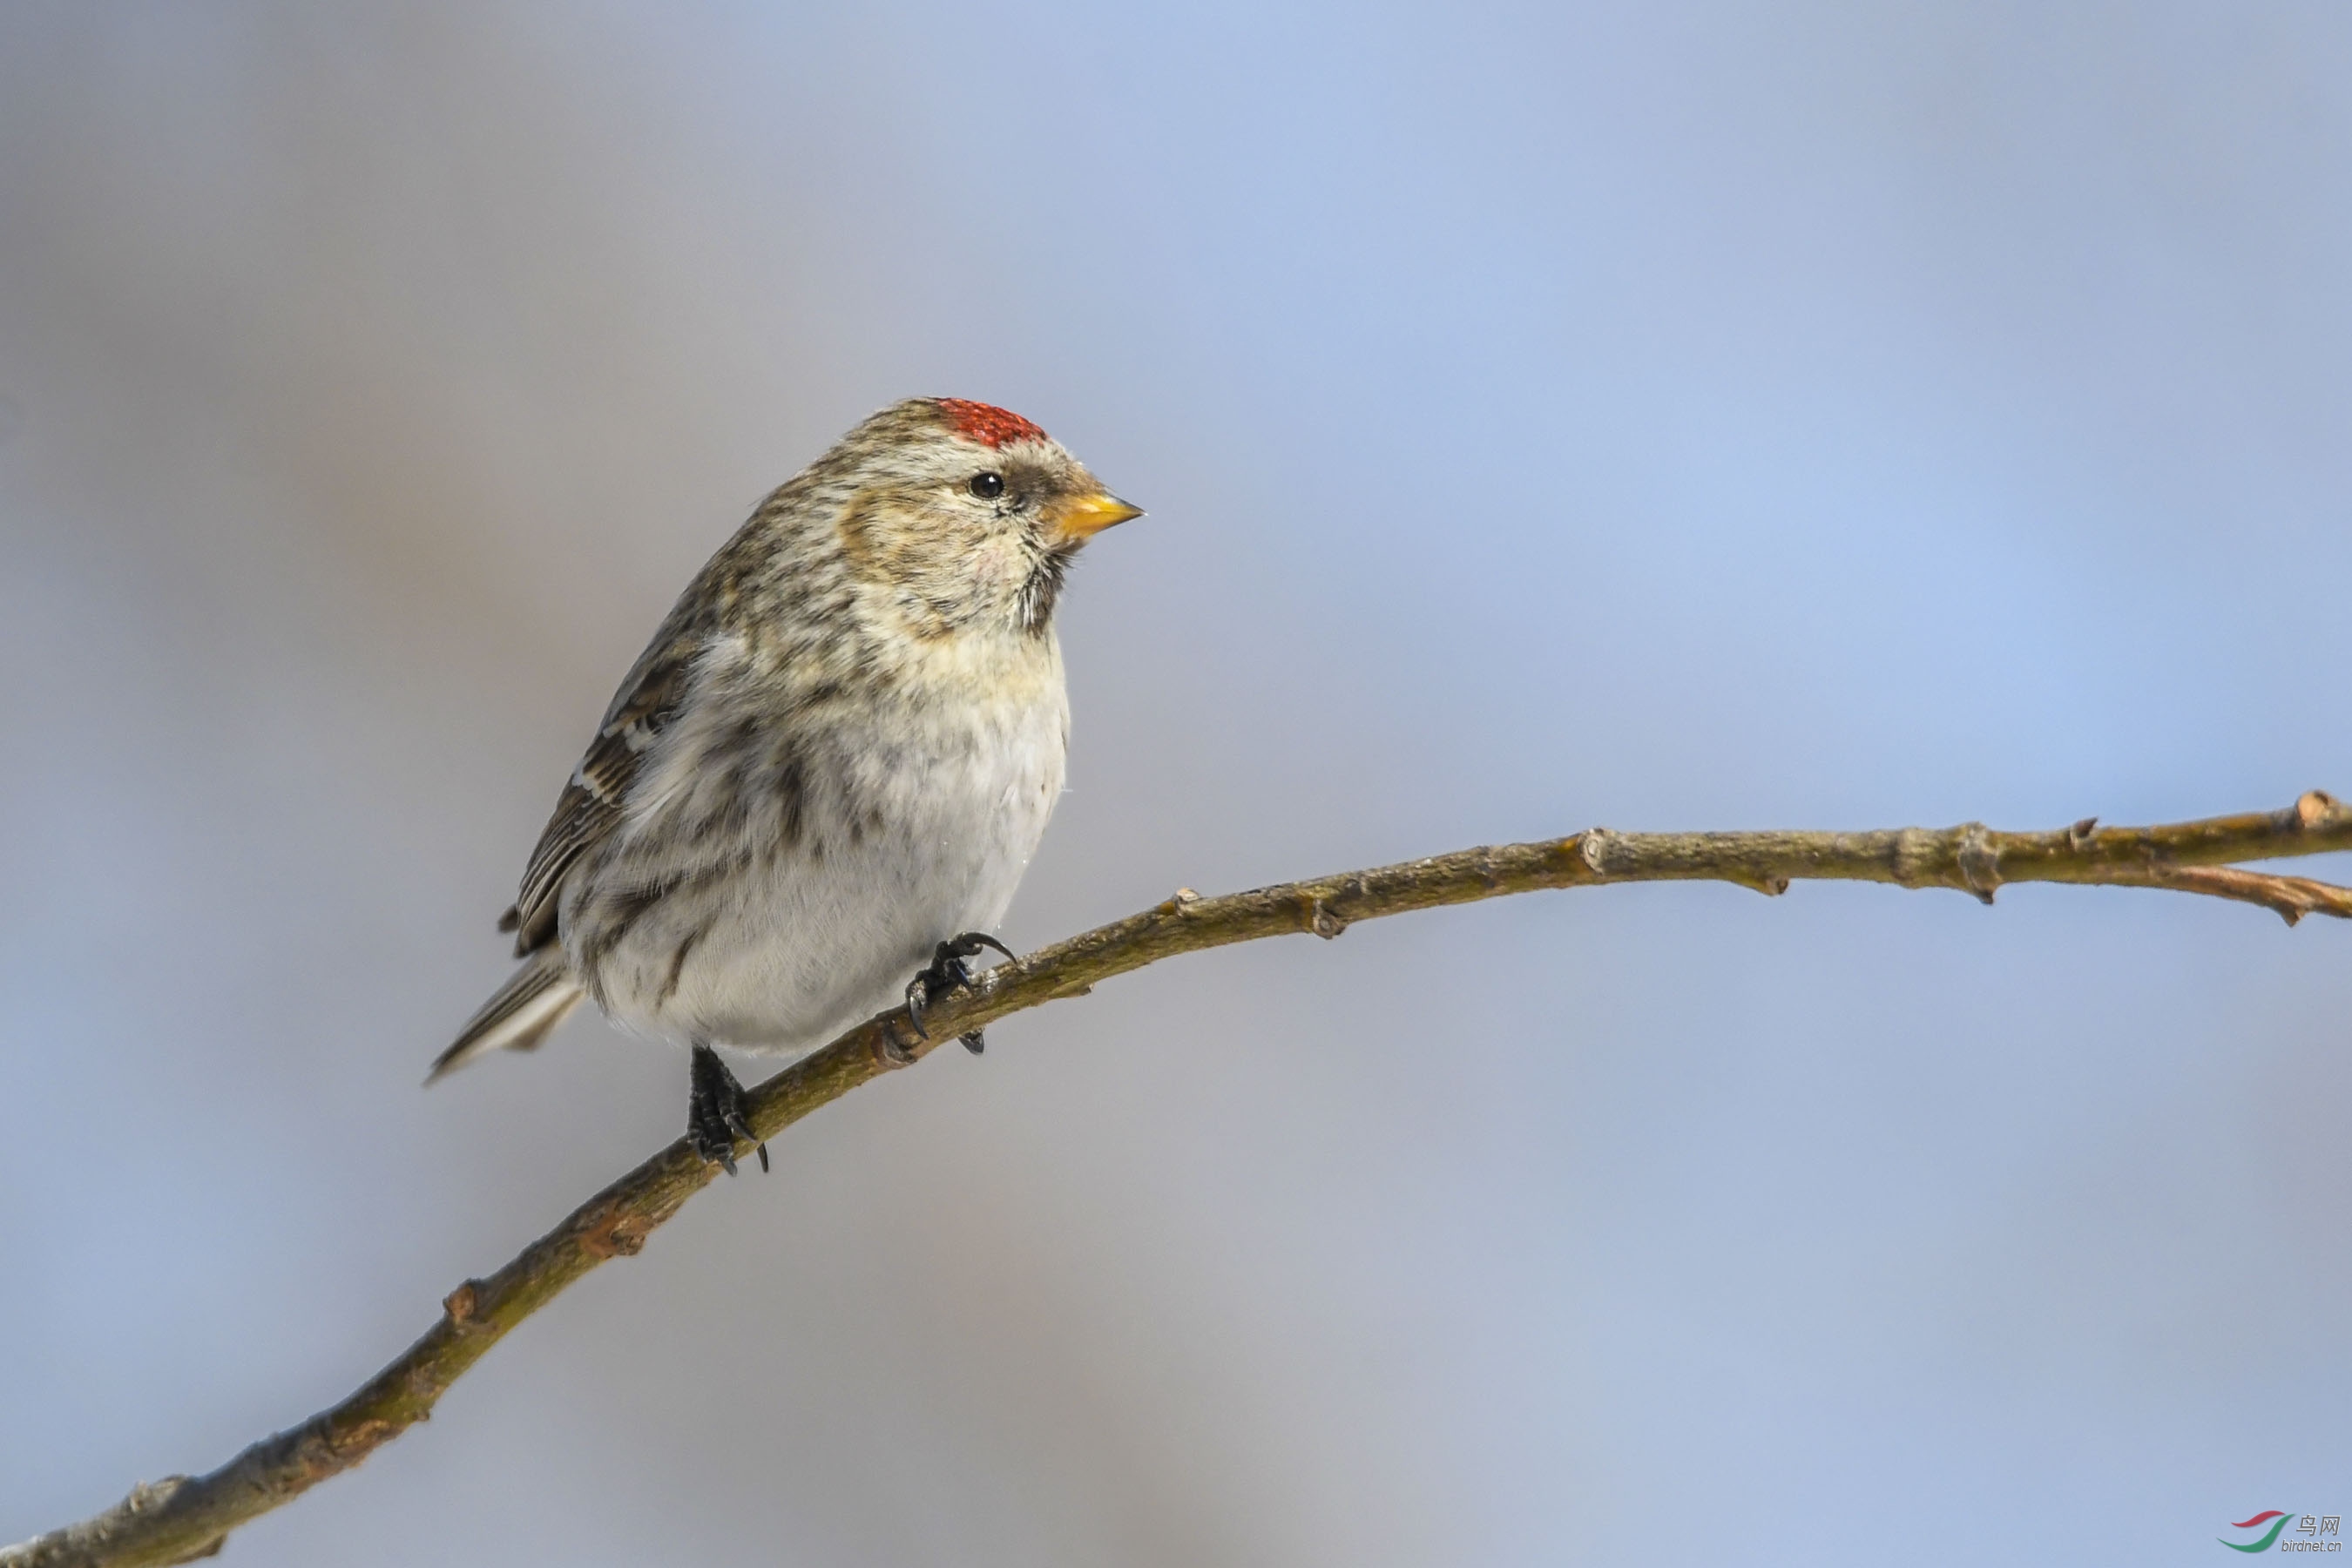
(714, 1113)
(949, 970)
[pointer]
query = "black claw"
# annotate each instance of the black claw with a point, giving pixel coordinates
(969, 944)
(973, 1041)
(714, 1113)
(948, 971)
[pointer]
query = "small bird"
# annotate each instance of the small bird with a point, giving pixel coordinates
(827, 770)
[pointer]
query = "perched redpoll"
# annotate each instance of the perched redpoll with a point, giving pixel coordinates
(829, 766)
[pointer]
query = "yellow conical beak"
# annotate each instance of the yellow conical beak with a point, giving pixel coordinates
(1080, 517)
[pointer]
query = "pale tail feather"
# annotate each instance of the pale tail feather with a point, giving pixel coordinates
(521, 1016)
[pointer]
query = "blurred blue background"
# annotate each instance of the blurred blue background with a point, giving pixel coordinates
(1676, 416)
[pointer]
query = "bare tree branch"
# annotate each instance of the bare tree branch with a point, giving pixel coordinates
(180, 1519)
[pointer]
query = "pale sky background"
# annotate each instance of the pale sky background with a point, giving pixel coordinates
(1663, 416)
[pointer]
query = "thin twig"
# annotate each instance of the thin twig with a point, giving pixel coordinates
(180, 1519)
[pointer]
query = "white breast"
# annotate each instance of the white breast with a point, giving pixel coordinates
(778, 940)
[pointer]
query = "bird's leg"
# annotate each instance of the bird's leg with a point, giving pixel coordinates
(947, 970)
(714, 1112)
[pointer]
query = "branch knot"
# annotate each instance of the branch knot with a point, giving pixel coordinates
(461, 1305)
(1979, 860)
(1596, 845)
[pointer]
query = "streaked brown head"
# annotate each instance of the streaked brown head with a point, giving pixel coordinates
(966, 514)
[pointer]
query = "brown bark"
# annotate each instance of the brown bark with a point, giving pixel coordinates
(182, 1518)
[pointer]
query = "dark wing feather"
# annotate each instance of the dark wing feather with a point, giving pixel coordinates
(592, 803)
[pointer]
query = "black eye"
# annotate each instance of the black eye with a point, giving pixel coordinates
(987, 487)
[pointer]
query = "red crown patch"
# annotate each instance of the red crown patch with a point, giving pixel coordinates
(986, 423)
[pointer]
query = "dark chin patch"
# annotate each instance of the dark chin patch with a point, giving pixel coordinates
(1039, 592)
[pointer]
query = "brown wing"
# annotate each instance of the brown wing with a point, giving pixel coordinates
(591, 804)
